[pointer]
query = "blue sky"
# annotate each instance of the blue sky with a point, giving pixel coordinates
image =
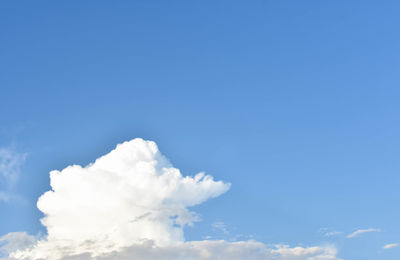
(296, 103)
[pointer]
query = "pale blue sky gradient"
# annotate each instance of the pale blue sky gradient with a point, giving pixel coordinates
(296, 103)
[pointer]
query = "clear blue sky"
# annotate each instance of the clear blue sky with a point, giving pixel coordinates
(296, 103)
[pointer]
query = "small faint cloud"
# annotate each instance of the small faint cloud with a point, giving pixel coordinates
(389, 246)
(4, 197)
(221, 227)
(326, 232)
(362, 231)
(242, 237)
(10, 165)
(332, 233)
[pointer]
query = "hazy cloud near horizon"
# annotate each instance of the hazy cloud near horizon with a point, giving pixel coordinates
(193, 250)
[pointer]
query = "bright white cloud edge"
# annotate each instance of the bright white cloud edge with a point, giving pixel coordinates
(133, 204)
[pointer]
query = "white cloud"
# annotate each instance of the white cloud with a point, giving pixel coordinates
(388, 246)
(132, 204)
(10, 163)
(310, 253)
(205, 250)
(15, 241)
(362, 231)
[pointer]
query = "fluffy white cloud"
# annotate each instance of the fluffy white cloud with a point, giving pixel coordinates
(362, 231)
(388, 246)
(132, 204)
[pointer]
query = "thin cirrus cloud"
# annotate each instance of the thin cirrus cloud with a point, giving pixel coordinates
(4, 197)
(362, 231)
(326, 232)
(133, 204)
(220, 227)
(333, 233)
(10, 163)
(389, 246)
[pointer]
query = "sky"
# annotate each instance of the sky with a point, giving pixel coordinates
(288, 110)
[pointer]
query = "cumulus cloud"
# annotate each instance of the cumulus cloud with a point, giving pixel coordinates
(388, 246)
(133, 204)
(362, 231)
(10, 163)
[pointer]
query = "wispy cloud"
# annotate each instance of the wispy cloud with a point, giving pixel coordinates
(10, 164)
(333, 233)
(4, 197)
(388, 246)
(326, 232)
(221, 227)
(362, 231)
(15, 241)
